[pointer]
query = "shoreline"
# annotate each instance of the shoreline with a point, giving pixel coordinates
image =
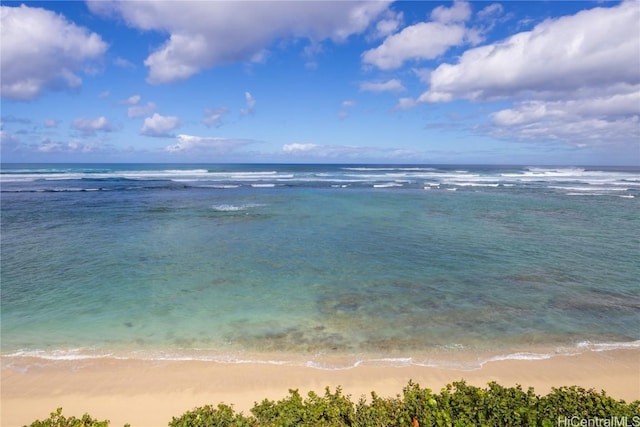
(150, 392)
(455, 357)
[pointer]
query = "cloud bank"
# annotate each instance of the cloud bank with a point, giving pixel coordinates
(206, 34)
(42, 50)
(574, 79)
(206, 145)
(323, 152)
(424, 40)
(591, 49)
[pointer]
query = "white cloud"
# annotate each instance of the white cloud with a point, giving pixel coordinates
(388, 25)
(207, 34)
(435, 96)
(299, 148)
(425, 40)
(527, 112)
(91, 126)
(405, 104)
(191, 144)
(43, 51)
(48, 146)
(342, 152)
(610, 120)
(571, 79)
(311, 51)
(459, 12)
(590, 49)
(135, 109)
(345, 105)
(423, 74)
(259, 57)
(308, 150)
(160, 126)
(123, 63)
(141, 110)
(348, 103)
(213, 117)
(393, 85)
(251, 105)
(490, 11)
(132, 100)
(580, 132)
(51, 123)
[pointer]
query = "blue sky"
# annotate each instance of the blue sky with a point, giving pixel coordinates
(510, 82)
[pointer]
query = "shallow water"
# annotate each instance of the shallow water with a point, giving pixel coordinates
(317, 262)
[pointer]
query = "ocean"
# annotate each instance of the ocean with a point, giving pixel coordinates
(329, 266)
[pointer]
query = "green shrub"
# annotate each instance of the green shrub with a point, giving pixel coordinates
(56, 419)
(208, 416)
(457, 405)
(334, 409)
(378, 412)
(584, 404)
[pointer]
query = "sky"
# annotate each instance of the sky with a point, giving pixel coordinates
(464, 82)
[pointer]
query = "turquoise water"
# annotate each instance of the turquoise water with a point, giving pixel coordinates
(317, 263)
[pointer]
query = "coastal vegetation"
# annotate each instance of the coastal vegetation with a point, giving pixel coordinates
(457, 404)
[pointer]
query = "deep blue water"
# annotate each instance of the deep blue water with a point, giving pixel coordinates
(318, 263)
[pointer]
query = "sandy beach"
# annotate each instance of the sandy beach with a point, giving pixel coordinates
(149, 393)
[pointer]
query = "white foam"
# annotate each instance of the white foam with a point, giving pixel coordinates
(573, 175)
(567, 351)
(325, 366)
(608, 346)
(177, 175)
(234, 360)
(413, 169)
(70, 354)
(220, 186)
(249, 176)
(474, 184)
(554, 171)
(519, 356)
(377, 176)
(324, 362)
(626, 182)
(587, 188)
(78, 354)
(228, 208)
(387, 185)
(391, 361)
(16, 178)
(233, 208)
